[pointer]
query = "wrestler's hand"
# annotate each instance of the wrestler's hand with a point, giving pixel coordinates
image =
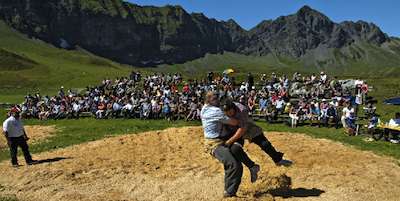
(228, 143)
(26, 137)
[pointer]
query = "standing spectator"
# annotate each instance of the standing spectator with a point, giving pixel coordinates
(346, 113)
(15, 135)
(250, 81)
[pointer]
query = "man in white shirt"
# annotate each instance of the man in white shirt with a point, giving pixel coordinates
(14, 132)
(279, 105)
(127, 109)
(76, 108)
(213, 119)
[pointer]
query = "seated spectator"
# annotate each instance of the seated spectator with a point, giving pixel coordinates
(101, 109)
(272, 114)
(193, 108)
(373, 123)
(331, 115)
(351, 127)
(116, 109)
(315, 112)
(251, 103)
(76, 110)
(155, 108)
(127, 110)
(280, 105)
(146, 110)
(263, 104)
(369, 110)
(394, 123)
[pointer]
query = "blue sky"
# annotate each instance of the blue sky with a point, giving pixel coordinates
(248, 13)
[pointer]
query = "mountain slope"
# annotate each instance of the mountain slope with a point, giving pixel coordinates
(121, 31)
(148, 36)
(28, 65)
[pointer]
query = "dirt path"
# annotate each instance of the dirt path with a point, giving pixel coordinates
(171, 165)
(35, 133)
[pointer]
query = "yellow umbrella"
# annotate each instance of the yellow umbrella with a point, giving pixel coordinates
(229, 71)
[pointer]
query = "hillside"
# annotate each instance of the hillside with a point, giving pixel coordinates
(120, 31)
(149, 36)
(31, 65)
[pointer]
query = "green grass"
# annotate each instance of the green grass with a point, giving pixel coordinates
(72, 132)
(378, 147)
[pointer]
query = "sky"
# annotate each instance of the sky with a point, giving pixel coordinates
(248, 13)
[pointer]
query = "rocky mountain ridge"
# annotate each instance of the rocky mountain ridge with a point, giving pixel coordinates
(148, 35)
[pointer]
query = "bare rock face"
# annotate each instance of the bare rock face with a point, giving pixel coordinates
(120, 31)
(147, 35)
(308, 29)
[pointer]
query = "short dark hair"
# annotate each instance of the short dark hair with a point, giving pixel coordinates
(229, 105)
(397, 115)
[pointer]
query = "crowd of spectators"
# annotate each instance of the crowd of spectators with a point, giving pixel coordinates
(317, 98)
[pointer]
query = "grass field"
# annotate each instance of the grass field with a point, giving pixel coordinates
(71, 132)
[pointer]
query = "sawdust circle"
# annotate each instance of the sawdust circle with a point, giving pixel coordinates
(171, 165)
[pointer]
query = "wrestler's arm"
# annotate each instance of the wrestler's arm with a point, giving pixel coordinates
(238, 134)
(243, 119)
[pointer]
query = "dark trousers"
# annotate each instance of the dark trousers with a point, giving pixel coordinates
(14, 143)
(325, 121)
(240, 155)
(267, 147)
(233, 168)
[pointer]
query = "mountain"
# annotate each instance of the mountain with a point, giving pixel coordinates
(121, 31)
(308, 29)
(148, 35)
